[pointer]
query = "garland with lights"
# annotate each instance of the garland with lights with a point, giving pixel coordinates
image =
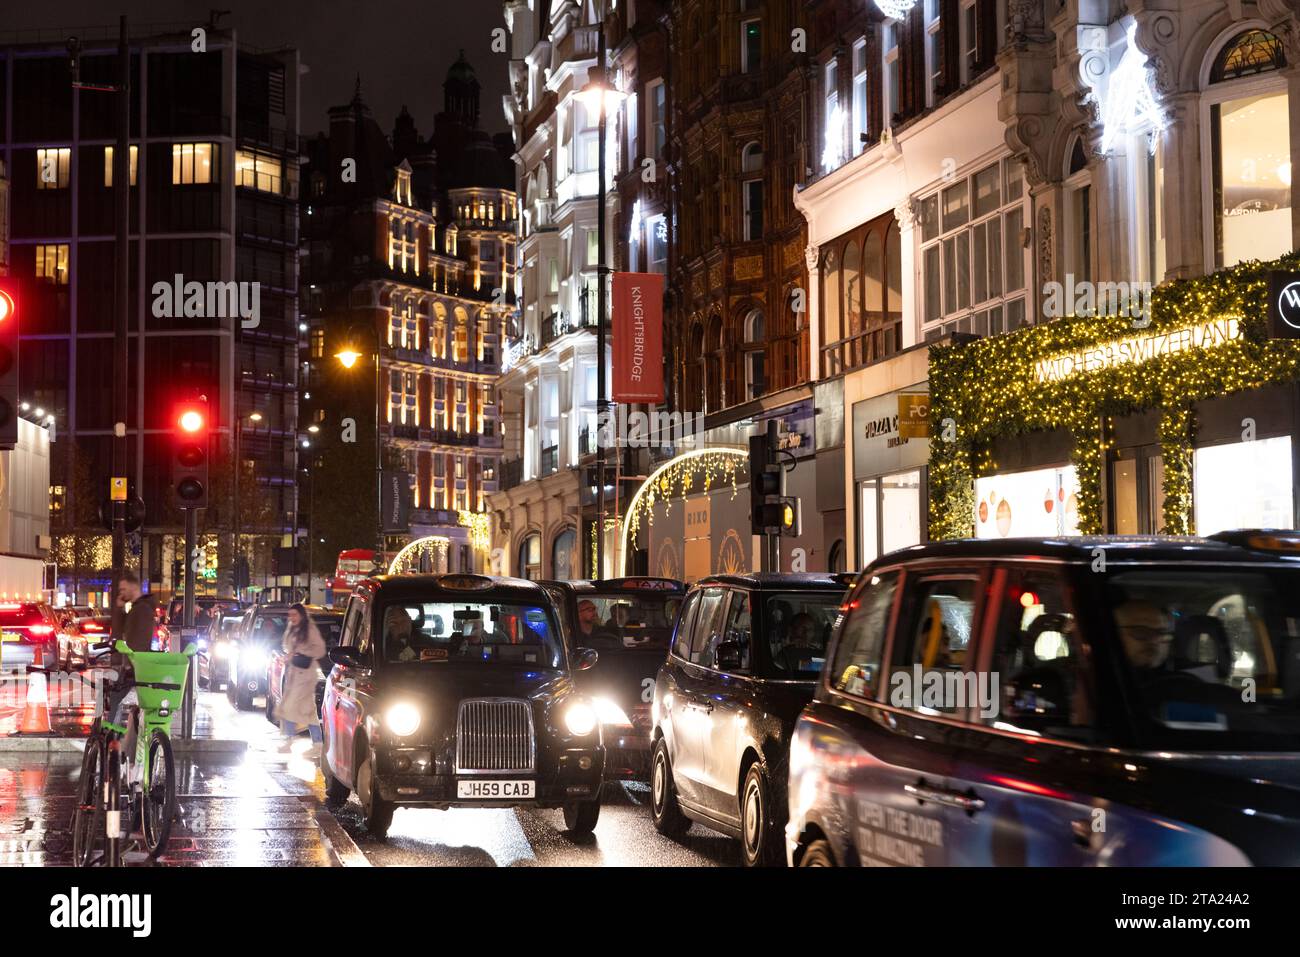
(985, 390)
(480, 528)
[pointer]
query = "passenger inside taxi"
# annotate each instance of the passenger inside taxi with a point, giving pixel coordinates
(397, 635)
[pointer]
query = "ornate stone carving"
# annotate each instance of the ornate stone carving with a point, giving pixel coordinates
(1046, 269)
(811, 254)
(1024, 19)
(905, 213)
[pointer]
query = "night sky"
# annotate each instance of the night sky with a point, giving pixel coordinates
(401, 48)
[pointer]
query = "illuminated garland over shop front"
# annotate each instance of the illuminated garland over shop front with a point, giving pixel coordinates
(480, 528)
(676, 478)
(994, 387)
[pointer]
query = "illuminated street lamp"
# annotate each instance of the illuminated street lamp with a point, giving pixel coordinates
(348, 357)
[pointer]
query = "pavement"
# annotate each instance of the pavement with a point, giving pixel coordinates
(249, 799)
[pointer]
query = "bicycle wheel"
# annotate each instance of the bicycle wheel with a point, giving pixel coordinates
(158, 794)
(88, 818)
(113, 807)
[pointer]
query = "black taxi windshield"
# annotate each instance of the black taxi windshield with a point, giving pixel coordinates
(620, 621)
(487, 633)
(1214, 655)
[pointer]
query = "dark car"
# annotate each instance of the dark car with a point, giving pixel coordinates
(745, 656)
(458, 691)
(215, 652)
(257, 638)
(1087, 701)
(79, 635)
(29, 630)
(206, 607)
(629, 621)
(330, 624)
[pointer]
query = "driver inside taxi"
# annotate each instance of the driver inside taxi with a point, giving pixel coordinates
(397, 635)
(1146, 633)
(803, 642)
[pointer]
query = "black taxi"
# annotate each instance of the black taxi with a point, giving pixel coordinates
(458, 691)
(1082, 701)
(746, 652)
(629, 622)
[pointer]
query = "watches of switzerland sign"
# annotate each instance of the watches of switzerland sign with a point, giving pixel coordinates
(638, 337)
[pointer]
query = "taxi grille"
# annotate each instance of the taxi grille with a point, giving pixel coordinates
(494, 734)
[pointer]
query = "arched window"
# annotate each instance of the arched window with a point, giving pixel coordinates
(1247, 111)
(832, 312)
(562, 554)
(1078, 213)
(755, 354)
(751, 158)
(713, 365)
(751, 187)
(529, 565)
(851, 272)
(893, 307)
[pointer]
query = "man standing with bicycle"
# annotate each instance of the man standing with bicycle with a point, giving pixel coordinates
(133, 622)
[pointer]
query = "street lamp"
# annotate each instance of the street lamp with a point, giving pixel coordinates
(600, 95)
(348, 357)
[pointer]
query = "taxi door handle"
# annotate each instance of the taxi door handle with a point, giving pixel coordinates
(706, 707)
(965, 801)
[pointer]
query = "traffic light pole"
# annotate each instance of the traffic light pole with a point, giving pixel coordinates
(121, 355)
(191, 543)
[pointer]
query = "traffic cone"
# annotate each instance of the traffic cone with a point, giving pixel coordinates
(36, 716)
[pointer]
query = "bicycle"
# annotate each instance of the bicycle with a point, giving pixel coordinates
(109, 784)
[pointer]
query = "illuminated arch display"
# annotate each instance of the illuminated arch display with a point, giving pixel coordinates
(676, 477)
(410, 557)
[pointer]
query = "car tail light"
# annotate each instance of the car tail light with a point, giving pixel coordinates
(92, 626)
(41, 630)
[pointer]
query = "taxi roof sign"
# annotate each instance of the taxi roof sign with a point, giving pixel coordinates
(1261, 539)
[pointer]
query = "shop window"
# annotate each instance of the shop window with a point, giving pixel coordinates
(1250, 163)
(1243, 485)
(530, 557)
(889, 514)
(1040, 503)
(973, 253)
(108, 165)
(53, 168)
(194, 163)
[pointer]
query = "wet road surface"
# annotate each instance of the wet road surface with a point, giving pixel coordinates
(265, 807)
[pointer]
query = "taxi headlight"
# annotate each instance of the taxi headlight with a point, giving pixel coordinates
(403, 719)
(253, 657)
(223, 650)
(610, 713)
(580, 718)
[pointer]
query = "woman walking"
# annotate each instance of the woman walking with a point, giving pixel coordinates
(303, 646)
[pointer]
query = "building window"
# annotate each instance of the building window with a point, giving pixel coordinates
(972, 253)
(258, 171)
(318, 343)
(833, 117)
(969, 41)
(1078, 214)
(1250, 146)
(657, 244)
(861, 296)
(755, 354)
(586, 139)
(752, 189)
(890, 74)
(194, 163)
(562, 551)
(860, 118)
(657, 104)
(933, 52)
(53, 168)
(593, 247)
(52, 263)
(530, 558)
(108, 164)
(460, 352)
(751, 46)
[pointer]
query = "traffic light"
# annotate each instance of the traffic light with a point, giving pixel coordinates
(764, 483)
(190, 456)
(8, 363)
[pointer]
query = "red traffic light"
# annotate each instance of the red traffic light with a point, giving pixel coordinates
(7, 306)
(191, 420)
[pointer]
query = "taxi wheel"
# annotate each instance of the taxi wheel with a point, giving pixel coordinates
(336, 792)
(758, 834)
(668, 817)
(818, 854)
(376, 813)
(580, 817)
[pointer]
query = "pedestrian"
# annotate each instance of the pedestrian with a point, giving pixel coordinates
(303, 648)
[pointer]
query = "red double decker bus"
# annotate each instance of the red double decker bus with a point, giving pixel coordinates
(354, 565)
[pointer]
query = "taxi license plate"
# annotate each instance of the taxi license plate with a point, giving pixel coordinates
(10, 636)
(494, 790)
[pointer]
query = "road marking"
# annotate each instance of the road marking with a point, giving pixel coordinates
(338, 842)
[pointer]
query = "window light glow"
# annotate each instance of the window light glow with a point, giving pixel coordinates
(1130, 100)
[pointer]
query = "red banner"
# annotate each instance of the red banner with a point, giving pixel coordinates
(638, 337)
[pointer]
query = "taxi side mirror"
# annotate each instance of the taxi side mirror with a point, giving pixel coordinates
(347, 657)
(730, 656)
(584, 658)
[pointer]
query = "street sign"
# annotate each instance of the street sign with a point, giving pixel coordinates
(117, 489)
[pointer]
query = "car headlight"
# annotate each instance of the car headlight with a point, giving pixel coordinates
(403, 719)
(580, 718)
(610, 713)
(253, 658)
(223, 650)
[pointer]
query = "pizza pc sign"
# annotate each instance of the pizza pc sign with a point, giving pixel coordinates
(1284, 305)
